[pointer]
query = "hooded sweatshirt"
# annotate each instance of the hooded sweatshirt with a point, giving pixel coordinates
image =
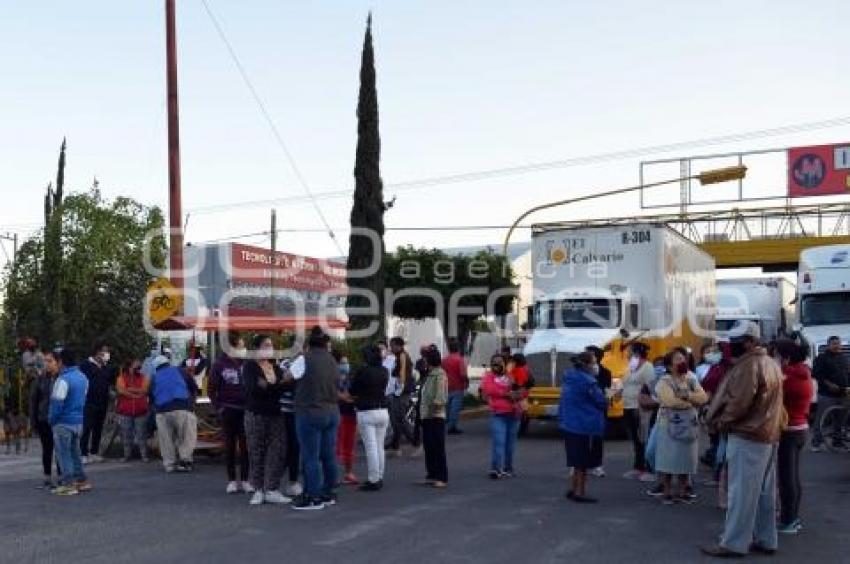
(226, 387)
(797, 395)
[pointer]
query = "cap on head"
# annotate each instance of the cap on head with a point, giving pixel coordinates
(750, 329)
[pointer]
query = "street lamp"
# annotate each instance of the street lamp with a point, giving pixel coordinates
(714, 176)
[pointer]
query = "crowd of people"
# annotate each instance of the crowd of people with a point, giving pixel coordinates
(297, 420)
(755, 401)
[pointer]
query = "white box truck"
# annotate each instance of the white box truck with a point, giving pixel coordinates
(607, 286)
(766, 301)
(823, 296)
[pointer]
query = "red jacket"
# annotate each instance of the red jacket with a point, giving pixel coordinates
(454, 366)
(497, 390)
(797, 393)
(132, 407)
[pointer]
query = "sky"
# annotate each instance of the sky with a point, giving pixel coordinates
(463, 86)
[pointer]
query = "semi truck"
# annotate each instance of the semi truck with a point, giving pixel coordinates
(609, 286)
(767, 302)
(823, 296)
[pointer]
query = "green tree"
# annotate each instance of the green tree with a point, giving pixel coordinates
(468, 281)
(367, 211)
(52, 320)
(101, 279)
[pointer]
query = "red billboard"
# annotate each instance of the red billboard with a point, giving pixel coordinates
(259, 266)
(821, 170)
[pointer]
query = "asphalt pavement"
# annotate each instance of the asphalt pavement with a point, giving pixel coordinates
(137, 513)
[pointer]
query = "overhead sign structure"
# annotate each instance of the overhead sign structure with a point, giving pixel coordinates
(163, 300)
(821, 170)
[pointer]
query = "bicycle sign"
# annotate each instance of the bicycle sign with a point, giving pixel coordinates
(163, 300)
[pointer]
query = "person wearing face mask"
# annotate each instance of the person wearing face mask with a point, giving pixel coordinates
(368, 389)
(679, 394)
(640, 374)
(100, 378)
(346, 433)
(748, 408)
(581, 413)
(227, 395)
(265, 427)
(503, 396)
(797, 397)
(709, 356)
(132, 409)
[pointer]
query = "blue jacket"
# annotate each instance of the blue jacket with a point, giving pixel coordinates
(583, 405)
(68, 398)
(169, 389)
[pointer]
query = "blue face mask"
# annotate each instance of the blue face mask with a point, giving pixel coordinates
(660, 371)
(344, 369)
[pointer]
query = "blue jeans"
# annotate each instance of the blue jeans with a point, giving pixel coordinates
(751, 516)
(66, 441)
(453, 408)
(503, 430)
(317, 439)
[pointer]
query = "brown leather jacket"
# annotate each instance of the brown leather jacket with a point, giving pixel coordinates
(749, 401)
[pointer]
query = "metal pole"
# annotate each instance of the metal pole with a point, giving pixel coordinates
(274, 263)
(582, 199)
(175, 213)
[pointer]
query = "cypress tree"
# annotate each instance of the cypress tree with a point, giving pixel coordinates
(368, 207)
(53, 324)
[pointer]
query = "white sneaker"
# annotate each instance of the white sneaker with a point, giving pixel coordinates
(84, 459)
(257, 499)
(95, 458)
(599, 472)
(247, 487)
(232, 487)
(647, 477)
(632, 475)
(294, 489)
(276, 497)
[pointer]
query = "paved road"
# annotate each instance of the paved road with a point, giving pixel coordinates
(139, 514)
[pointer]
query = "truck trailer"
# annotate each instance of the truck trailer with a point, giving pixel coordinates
(823, 296)
(767, 302)
(609, 286)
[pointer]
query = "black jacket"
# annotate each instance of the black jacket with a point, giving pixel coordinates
(100, 379)
(40, 390)
(369, 388)
(261, 397)
(834, 368)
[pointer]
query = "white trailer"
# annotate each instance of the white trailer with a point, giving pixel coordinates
(766, 301)
(823, 296)
(609, 285)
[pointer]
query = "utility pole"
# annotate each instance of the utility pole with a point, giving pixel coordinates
(175, 213)
(13, 237)
(274, 263)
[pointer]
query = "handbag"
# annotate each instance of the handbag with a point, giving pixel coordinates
(682, 424)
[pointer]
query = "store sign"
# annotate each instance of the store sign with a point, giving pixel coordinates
(822, 170)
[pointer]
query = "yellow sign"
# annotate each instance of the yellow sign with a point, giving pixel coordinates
(163, 300)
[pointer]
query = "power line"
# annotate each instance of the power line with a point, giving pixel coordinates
(345, 229)
(541, 166)
(275, 131)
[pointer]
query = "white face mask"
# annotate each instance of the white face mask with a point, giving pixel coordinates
(104, 357)
(594, 369)
(713, 358)
(266, 353)
(634, 363)
(240, 352)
